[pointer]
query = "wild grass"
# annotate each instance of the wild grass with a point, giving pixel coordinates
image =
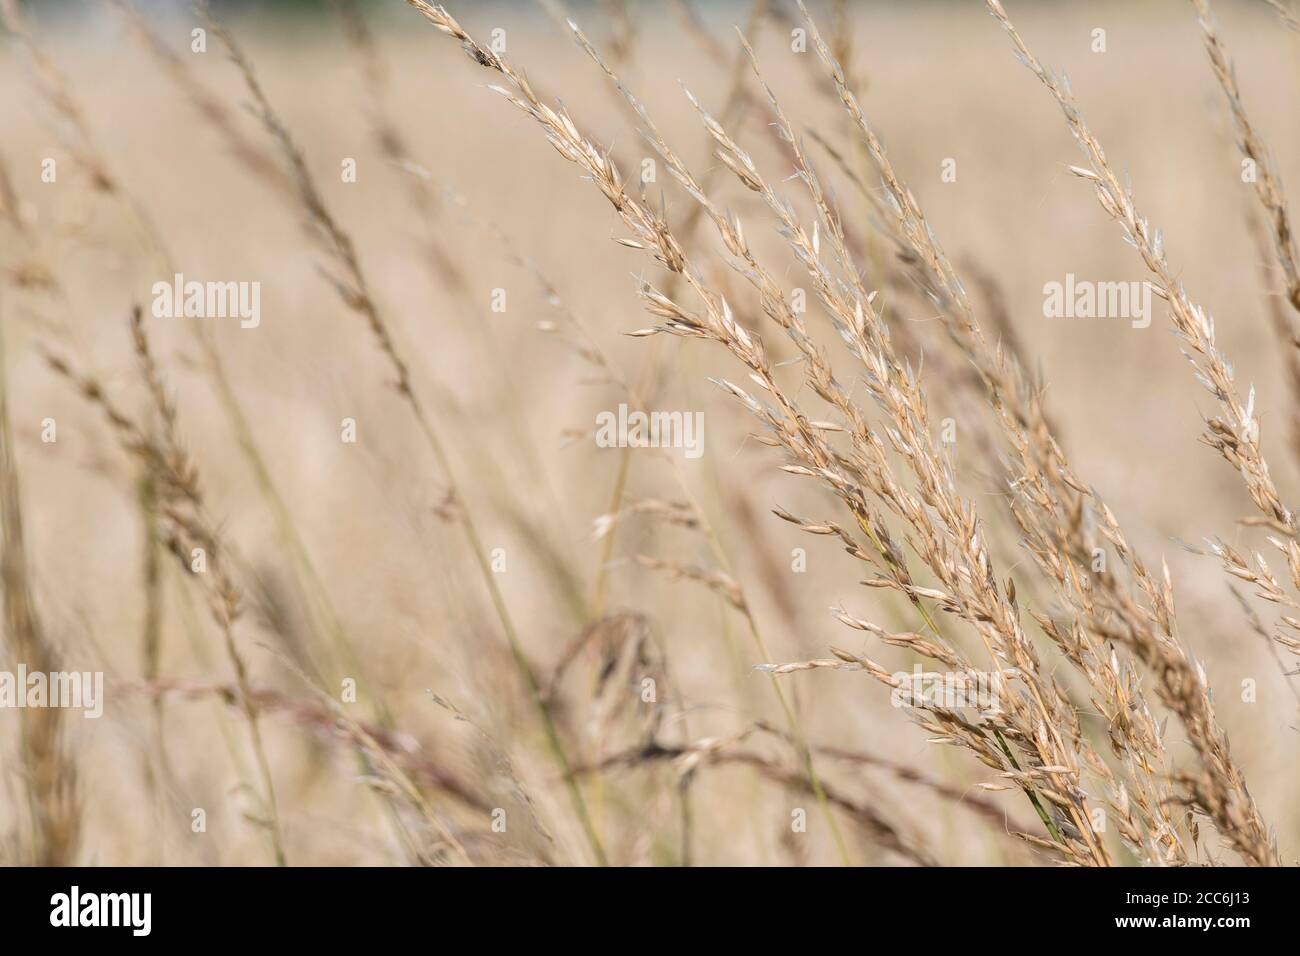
(432, 654)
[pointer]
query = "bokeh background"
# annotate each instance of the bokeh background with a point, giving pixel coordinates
(516, 405)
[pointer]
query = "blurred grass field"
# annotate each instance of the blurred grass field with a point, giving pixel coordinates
(516, 408)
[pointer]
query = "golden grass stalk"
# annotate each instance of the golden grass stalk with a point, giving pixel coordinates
(1268, 186)
(49, 771)
(354, 290)
(187, 529)
(738, 101)
(786, 425)
(1048, 510)
(1219, 788)
(564, 136)
(1047, 500)
(58, 94)
(1235, 432)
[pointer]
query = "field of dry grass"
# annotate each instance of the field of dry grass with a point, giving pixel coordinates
(367, 587)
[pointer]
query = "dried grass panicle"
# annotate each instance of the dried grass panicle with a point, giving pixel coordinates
(1268, 185)
(1271, 223)
(977, 555)
(1219, 789)
(944, 529)
(85, 154)
(1235, 433)
(810, 452)
(189, 533)
(805, 247)
(1047, 531)
(1048, 500)
(650, 230)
